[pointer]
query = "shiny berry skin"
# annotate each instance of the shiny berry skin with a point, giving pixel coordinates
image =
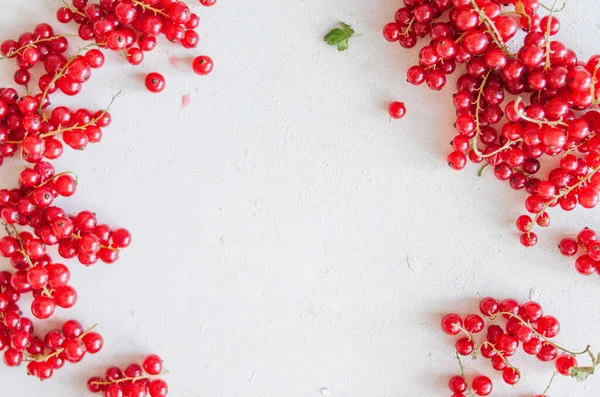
(43, 307)
(568, 247)
(564, 363)
(548, 326)
(585, 265)
(93, 342)
(586, 236)
(158, 388)
(531, 312)
(155, 82)
(72, 329)
(510, 376)
(93, 386)
(547, 352)
(452, 324)
(482, 386)
(12, 357)
(465, 347)
(457, 160)
(473, 324)
(397, 110)
(208, 3)
(152, 364)
(202, 65)
(489, 306)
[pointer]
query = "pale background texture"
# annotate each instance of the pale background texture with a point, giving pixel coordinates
(274, 218)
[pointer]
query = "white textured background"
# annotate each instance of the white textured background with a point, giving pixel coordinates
(274, 217)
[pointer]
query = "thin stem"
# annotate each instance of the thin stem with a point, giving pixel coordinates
(564, 192)
(59, 351)
(61, 73)
(78, 237)
(52, 180)
(549, 384)
(21, 246)
(128, 378)
(150, 8)
(75, 10)
(33, 44)
(553, 9)
(548, 65)
(478, 124)
(462, 374)
(76, 126)
(483, 168)
(522, 115)
(494, 33)
(540, 336)
(407, 29)
(498, 352)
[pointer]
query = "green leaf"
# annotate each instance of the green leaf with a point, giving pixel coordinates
(581, 373)
(339, 37)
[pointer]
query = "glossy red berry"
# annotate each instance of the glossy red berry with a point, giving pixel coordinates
(155, 82)
(202, 65)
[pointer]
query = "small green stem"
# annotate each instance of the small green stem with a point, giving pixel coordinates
(462, 374)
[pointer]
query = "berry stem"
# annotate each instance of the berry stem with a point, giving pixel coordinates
(549, 384)
(482, 169)
(128, 378)
(52, 180)
(75, 10)
(61, 73)
(521, 114)
(407, 30)
(78, 237)
(548, 64)
(540, 336)
(33, 44)
(150, 8)
(504, 359)
(478, 123)
(564, 192)
(553, 9)
(76, 127)
(21, 246)
(491, 27)
(462, 374)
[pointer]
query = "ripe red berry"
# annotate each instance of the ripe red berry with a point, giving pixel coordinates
(152, 364)
(482, 385)
(155, 82)
(202, 65)
(564, 363)
(397, 110)
(452, 324)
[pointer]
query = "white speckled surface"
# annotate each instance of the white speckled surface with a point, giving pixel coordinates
(289, 240)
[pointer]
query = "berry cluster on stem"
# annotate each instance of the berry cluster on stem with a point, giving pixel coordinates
(134, 381)
(35, 131)
(509, 325)
(554, 112)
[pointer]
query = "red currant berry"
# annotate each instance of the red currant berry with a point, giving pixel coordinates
(155, 82)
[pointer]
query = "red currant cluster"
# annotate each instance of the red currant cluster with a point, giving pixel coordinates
(546, 119)
(134, 26)
(510, 325)
(44, 355)
(29, 128)
(79, 236)
(133, 381)
(587, 239)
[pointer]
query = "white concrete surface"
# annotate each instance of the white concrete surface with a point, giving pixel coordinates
(274, 217)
